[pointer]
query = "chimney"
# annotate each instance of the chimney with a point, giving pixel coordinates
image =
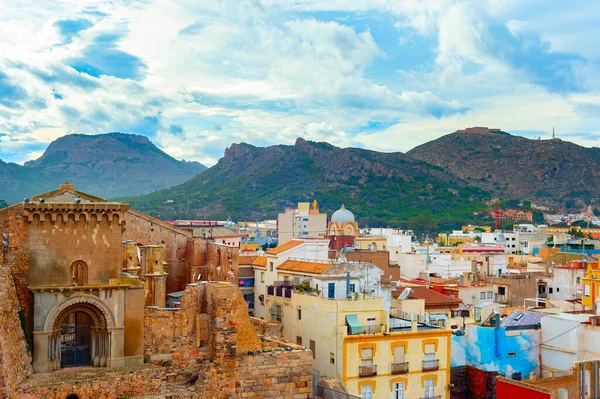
(413, 322)
(348, 296)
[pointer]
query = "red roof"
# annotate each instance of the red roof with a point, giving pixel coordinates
(431, 297)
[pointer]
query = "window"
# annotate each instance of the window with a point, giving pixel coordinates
(482, 295)
(331, 290)
(366, 392)
(399, 354)
(271, 266)
(501, 290)
(296, 280)
(353, 288)
(490, 295)
(398, 390)
(550, 290)
(429, 388)
(299, 340)
(578, 280)
(78, 273)
(313, 347)
(512, 354)
(586, 290)
(299, 314)
(477, 315)
(262, 277)
(331, 358)
(557, 289)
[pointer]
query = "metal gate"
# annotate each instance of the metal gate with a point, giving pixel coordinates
(75, 341)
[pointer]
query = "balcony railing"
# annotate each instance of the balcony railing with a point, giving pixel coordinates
(431, 365)
(501, 298)
(284, 292)
(366, 330)
(284, 283)
(399, 368)
(367, 371)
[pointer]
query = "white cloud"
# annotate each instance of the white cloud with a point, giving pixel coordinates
(267, 72)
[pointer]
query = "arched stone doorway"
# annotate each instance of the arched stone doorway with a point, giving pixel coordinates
(80, 337)
(80, 331)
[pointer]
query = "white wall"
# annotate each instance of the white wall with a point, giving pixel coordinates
(411, 265)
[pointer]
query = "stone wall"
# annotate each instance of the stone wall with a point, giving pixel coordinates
(268, 328)
(96, 383)
(11, 222)
(175, 338)
(146, 230)
(15, 357)
(279, 374)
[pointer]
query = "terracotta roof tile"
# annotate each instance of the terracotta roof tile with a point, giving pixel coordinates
(431, 297)
(303, 266)
(246, 259)
(284, 247)
(260, 261)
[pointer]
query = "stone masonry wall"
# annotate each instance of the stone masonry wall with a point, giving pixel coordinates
(12, 222)
(173, 337)
(15, 358)
(279, 374)
(146, 230)
(96, 383)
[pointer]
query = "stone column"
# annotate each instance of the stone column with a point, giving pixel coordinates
(41, 363)
(94, 347)
(116, 347)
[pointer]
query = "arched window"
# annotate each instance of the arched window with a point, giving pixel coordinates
(79, 273)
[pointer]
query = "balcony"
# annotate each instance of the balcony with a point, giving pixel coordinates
(399, 368)
(283, 292)
(501, 298)
(284, 284)
(367, 371)
(429, 365)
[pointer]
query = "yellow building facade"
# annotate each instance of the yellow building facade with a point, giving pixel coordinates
(590, 285)
(371, 243)
(412, 364)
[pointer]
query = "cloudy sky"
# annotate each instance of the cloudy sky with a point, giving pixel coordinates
(195, 76)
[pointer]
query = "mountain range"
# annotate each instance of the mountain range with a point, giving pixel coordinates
(437, 184)
(107, 165)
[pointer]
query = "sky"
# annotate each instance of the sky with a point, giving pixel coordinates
(388, 75)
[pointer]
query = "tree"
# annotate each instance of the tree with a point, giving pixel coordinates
(3, 204)
(538, 217)
(596, 212)
(580, 223)
(526, 205)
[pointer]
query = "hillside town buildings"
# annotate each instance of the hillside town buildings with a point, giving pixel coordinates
(373, 312)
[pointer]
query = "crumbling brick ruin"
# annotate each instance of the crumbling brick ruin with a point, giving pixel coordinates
(83, 285)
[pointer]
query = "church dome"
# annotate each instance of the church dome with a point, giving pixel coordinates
(342, 216)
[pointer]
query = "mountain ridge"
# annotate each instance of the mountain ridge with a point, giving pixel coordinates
(550, 172)
(107, 165)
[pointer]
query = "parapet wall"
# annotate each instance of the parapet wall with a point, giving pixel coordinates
(15, 356)
(277, 374)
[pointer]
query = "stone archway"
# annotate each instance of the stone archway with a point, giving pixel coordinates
(81, 328)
